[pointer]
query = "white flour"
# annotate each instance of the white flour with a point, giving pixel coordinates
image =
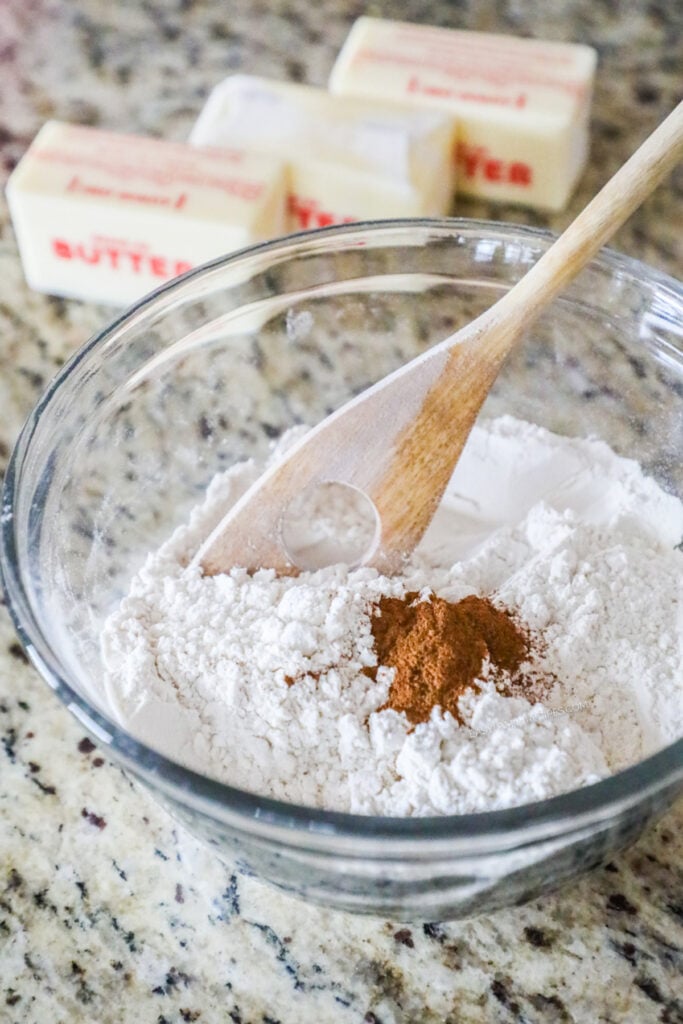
(574, 539)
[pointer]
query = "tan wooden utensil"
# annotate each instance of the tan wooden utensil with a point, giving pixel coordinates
(399, 441)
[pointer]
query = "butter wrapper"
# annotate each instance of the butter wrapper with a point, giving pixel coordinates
(522, 105)
(107, 217)
(347, 160)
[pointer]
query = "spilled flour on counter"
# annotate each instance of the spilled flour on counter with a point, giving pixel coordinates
(272, 684)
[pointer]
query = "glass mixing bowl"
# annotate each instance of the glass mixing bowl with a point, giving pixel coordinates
(207, 371)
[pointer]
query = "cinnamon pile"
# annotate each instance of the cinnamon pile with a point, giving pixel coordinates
(438, 649)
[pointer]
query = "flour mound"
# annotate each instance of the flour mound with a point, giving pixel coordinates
(258, 681)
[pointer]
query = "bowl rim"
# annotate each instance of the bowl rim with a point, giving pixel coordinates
(598, 801)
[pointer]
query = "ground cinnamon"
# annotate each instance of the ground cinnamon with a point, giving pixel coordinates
(439, 647)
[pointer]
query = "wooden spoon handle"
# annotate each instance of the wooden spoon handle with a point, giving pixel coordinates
(596, 224)
(475, 354)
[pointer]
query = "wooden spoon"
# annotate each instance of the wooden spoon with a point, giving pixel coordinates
(399, 441)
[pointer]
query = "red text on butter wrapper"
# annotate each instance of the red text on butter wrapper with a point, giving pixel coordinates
(476, 162)
(308, 214)
(177, 202)
(120, 258)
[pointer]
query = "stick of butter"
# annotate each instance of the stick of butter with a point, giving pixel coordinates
(347, 160)
(522, 105)
(107, 217)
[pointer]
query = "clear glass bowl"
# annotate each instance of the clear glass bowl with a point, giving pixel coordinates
(208, 370)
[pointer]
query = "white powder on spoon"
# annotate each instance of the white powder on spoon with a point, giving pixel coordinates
(575, 540)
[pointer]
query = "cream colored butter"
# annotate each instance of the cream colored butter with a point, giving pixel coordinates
(347, 160)
(522, 105)
(108, 217)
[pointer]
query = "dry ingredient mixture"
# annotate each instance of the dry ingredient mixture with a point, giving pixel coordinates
(532, 645)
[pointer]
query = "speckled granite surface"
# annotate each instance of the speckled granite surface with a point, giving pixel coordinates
(108, 912)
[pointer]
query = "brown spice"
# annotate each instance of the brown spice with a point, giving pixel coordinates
(438, 649)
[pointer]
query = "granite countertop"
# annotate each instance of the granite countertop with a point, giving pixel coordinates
(108, 911)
